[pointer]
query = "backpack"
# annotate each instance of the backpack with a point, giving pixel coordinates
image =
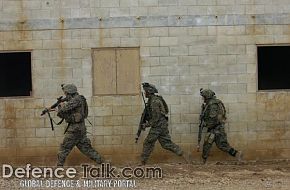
(221, 111)
(165, 106)
(85, 107)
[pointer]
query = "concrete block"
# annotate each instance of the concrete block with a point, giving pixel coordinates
(35, 142)
(32, 122)
(158, 11)
(171, 60)
(174, 119)
(25, 132)
(197, 10)
(124, 130)
(41, 35)
(98, 121)
(187, 138)
(188, 60)
(120, 32)
(130, 100)
(189, 118)
(111, 100)
(159, 51)
(59, 73)
(97, 101)
(150, 3)
(122, 110)
(197, 50)
(237, 69)
(187, 2)
(103, 111)
(168, 2)
(178, 109)
(19, 142)
(112, 120)
(138, 11)
(139, 32)
(155, 32)
(227, 59)
(112, 140)
(43, 132)
(152, 41)
(237, 88)
(120, 12)
(109, 3)
(181, 129)
(129, 3)
(177, 10)
(131, 120)
(33, 103)
(178, 50)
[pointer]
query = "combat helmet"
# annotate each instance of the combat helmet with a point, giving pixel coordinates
(150, 88)
(207, 93)
(69, 88)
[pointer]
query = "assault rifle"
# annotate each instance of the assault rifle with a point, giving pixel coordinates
(47, 110)
(143, 120)
(201, 125)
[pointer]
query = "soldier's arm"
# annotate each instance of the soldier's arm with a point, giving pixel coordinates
(156, 113)
(211, 119)
(69, 106)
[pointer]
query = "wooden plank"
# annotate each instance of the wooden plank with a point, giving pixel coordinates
(104, 72)
(128, 71)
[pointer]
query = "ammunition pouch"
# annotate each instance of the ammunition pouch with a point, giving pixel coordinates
(74, 118)
(77, 117)
(209, 137)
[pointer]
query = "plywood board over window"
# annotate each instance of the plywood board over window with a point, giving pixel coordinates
(104, 72)
(116, 71)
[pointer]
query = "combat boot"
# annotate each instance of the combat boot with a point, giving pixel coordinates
(142, 163)
(101, 160)
(179, 152)
(203, 160)
(239, 156)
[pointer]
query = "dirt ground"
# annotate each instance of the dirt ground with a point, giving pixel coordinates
(213, 175)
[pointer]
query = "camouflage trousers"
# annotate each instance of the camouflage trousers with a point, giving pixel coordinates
(79, 139)
(162, 135)
(219, 136)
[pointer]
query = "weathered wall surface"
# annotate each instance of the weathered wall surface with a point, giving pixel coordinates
(184, 45)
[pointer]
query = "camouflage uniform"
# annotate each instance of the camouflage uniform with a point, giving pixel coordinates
(158, 121)
(74, 114)
(214, 116)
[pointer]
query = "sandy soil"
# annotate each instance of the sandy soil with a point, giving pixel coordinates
(213, 175)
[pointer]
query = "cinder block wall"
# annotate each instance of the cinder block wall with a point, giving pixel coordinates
(184, 45)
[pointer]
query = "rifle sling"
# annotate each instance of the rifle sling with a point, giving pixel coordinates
(52, 121)
(67, 128)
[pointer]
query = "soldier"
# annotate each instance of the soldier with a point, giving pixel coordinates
(158, 121)
(74, 112)
(213, 117)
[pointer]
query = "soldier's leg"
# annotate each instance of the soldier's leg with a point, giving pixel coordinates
(207, 144)
(166, 143)
(67, 145)
(148, 144)
(222, 142)
(86, 148)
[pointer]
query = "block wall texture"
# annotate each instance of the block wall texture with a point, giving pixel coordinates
(184, 45)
